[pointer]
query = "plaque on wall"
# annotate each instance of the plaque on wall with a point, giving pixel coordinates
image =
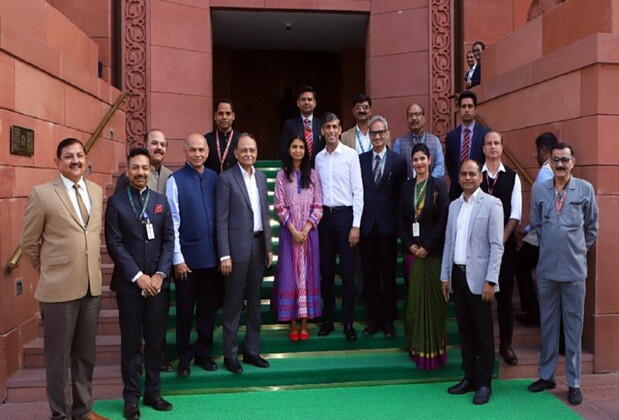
(22, 141)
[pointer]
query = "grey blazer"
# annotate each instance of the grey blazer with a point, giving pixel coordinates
(485, 242)
(235, 218)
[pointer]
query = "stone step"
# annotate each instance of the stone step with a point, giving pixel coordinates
(528, 358)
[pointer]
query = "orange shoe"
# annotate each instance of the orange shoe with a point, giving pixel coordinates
(304, 335)
(293, 335)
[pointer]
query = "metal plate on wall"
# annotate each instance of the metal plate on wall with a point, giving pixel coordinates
(22, 141)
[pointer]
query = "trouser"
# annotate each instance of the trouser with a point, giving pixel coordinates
(527, 258)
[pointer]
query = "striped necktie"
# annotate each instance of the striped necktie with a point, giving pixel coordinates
(81, 205)
(308, 138)
(466, 145)
(376, 171)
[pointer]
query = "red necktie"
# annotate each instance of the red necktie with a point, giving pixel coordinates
(466, 145)
(308, 137)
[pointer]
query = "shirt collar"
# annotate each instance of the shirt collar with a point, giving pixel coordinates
(244, 172)
(69, 184)
(310, 118)
(470, 127)
(472, 198)
(381, 154)
(501, 168)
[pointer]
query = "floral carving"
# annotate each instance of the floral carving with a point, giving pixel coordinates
(441, 82)
(134, 54)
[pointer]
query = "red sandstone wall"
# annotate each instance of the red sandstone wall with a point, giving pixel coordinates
(49, 83)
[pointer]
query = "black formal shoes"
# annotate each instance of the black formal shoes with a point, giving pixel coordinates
(541, 385)
(461, 387)
(508, 354)
(325, 329)
(256, 360)
(482, 395)
(370, 330)
(574, 396)
(166, 366)
(389, 330)
(131, 411)
(157, 403)
(349, 332)
(183, 369)
(207, 363)
(526, 319)
(233, 365)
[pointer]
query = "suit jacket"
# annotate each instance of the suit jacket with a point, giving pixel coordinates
(212, 161)
(127, 243)
(484, 245)
(156, 181)
(432, 220)
(349, 138)
(296, 126)
(381, 201)
(67, 256)
(476, 76)
(452, 154)
(235, 217)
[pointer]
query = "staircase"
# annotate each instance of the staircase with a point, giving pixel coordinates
(319, 362)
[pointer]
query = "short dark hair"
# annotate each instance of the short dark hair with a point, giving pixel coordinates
(330, 116)
(69, 141)
(420, 147)
(481, 44)
(307, 88)
(467, 94)
(136, 151)
(561, 146)
(474, 161)
(150, 131)
(360, 98)
(223, 101)
(423, 110)
(546, 141)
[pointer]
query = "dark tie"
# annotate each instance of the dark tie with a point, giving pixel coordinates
(81, 205)
(308, 137)
(466, 145)
(376, 170)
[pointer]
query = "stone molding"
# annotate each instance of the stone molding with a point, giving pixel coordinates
(441, 59)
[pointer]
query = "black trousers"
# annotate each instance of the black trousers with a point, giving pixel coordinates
(334, 230)
(201, 290)
(378, 259)
(476, 331)
(527, 258)
(505, 306)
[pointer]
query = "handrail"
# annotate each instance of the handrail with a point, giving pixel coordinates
(14, 261)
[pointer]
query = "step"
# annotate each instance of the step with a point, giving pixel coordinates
(528, 358)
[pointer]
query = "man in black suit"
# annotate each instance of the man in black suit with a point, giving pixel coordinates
(140, 239)
(222, 140)
(383, 173)
(464, 142)
(306, 125)
(245, 249)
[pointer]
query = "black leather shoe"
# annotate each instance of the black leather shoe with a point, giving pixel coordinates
(527, 320)
(157, 403)
(325, 329)
(461, 387)
(541, 385)
(370, 330)
(482, 395)
(131, 411)
(389, 331)
(166, 366)
(350, 333)
(508, 354)
(574, 396)
(256, 360)
(183, 370)
(233, 365)
(207, 364)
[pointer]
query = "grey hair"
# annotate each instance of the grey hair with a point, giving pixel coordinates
(379, 118)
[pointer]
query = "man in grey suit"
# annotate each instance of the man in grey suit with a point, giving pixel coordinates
(245, 248)
(565, 216)
(470, 269)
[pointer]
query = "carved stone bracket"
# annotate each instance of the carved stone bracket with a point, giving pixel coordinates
(134, 58)
(441, 59)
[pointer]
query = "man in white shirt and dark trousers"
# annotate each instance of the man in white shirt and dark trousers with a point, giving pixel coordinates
(342, 197)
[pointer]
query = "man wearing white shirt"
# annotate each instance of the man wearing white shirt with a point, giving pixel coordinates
(342, 198)
(503, 183)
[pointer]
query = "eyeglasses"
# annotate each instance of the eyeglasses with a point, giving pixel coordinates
(414, 114)
(561, 159)
(361, 107)
(377, 133)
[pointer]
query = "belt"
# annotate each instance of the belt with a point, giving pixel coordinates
(461, 267)
(335, 209)
(258, 234)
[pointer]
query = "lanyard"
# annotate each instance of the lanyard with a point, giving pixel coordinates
(420, 198)
(142, 216)
(222, 159)
(359, 138)
(559, 200)
(491, 187)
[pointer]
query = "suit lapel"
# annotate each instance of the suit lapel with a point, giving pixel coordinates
(238, 176)
(66, 201)
(474, 211)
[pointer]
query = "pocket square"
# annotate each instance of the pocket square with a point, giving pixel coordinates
(158, 208)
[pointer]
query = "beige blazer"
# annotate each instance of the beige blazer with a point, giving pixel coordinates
(67, 256)
(349, 138)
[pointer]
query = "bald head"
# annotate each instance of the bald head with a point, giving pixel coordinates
(196, 150)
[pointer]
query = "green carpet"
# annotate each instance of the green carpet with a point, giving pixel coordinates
(510, 400)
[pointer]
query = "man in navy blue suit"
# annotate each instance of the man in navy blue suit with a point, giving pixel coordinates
(306, 125)
(140, 239)
(383, 173)
(464, 142)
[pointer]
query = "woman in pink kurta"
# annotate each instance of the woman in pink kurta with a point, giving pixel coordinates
(298, 205)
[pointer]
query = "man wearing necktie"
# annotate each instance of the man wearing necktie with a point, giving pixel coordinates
(61, 236)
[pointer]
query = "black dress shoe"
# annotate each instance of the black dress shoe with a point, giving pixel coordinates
(157, 403)
(207, 364)
(256, 360)
(508, 354)
(166, 366)
(183, 370)
(370, 330)
(350, 333)
(233, 365)
(389, 331)
(574, 396)
(482, 395)
(541, 385)
(325, 329)
(461, 387)
(527, 320)
(131, 411)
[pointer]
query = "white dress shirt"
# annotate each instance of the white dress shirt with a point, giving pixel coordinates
(516, 198)
(254, 196)
(81, 184)
(363, 143)
(171, 192)
(462, 228)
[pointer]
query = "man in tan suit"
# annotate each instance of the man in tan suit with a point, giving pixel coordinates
(358, 137)
(62, 238)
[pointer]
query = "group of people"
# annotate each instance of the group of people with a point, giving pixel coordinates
(207, 226)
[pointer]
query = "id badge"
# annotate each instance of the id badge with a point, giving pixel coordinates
(150, 232)
(416, 230)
